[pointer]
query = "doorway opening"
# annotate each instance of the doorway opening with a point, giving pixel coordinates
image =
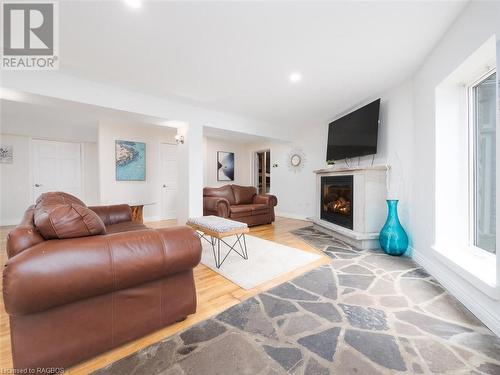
(262, 171)
(168, 173)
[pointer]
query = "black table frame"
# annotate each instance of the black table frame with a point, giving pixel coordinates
(216, 241)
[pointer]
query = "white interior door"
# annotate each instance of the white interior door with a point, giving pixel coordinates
(168, 173)
(57, 166)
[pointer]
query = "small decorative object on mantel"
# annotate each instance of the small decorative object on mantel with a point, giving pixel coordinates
(296, 160)
(6, 154)
(393, 238)
(330, 163)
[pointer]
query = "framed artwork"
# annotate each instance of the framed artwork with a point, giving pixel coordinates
(6, 154)
(130, 161)
(225, 166)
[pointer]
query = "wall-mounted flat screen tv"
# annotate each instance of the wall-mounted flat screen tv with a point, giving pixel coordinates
(354, 134)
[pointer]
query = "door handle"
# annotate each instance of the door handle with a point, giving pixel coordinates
(38, 185)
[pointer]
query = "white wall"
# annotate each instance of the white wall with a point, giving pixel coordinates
(242, 161)
(90, 157)
(27, 121)
(16, 185)
(130, 192)
(452, 145)
(296, 190)
(66, 87)
(49, 131)
(190, 170)
(478, 22)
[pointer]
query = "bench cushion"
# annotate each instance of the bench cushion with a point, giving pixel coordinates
(216, 224)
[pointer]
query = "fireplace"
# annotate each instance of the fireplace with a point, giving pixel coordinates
(350, 203)
(337, 200)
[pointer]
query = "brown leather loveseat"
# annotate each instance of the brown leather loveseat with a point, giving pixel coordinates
(240, 203)
(82, 280)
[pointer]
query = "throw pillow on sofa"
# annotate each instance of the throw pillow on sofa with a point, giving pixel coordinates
(60, 215)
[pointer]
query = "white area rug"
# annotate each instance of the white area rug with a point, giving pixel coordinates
(266, 261)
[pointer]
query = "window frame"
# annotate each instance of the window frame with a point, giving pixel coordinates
(470, 92)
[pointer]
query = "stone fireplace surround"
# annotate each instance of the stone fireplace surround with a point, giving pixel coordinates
(368, 205)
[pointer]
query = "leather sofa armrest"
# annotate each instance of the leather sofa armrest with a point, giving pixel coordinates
(217, 204)
(114, 214)
(21, 238)
(58, 272)
(268, 199)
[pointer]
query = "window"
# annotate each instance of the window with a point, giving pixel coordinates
(483, 163)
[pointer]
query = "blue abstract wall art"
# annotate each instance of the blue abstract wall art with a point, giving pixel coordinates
(130, 159)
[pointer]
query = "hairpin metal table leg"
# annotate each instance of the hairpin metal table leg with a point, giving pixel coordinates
(217, 255)
(245, 246)
(219, 263)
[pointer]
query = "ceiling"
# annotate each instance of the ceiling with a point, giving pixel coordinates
(237, 56)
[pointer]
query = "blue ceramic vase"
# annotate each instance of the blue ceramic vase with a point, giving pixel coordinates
(393, 238)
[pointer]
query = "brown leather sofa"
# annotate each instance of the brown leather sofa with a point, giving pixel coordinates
(240, 203)
(82, 280)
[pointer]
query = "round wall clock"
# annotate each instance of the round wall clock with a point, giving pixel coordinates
(296, 160)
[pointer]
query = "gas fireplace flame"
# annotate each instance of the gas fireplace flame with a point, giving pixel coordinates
(339, 205)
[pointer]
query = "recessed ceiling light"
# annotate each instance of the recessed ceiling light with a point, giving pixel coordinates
(134, 3)
(295, 77)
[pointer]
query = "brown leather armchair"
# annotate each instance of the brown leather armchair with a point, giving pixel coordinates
(240, 203)
(80, 281)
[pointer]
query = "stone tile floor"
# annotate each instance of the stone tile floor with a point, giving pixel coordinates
(366, 313)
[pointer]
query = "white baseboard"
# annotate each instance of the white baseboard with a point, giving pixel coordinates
(292, 216)
(454, 283)
(9, 222)
(152, 218)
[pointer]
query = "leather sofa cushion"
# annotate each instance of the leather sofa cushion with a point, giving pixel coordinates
(57, 197)
(221, 192)
(61, 215)
(126, 226)
(244, 194)
(68, 221)
(114, 214)
(243, 210)
(258, 209)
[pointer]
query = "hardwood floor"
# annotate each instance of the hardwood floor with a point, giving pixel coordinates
(214, 293)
